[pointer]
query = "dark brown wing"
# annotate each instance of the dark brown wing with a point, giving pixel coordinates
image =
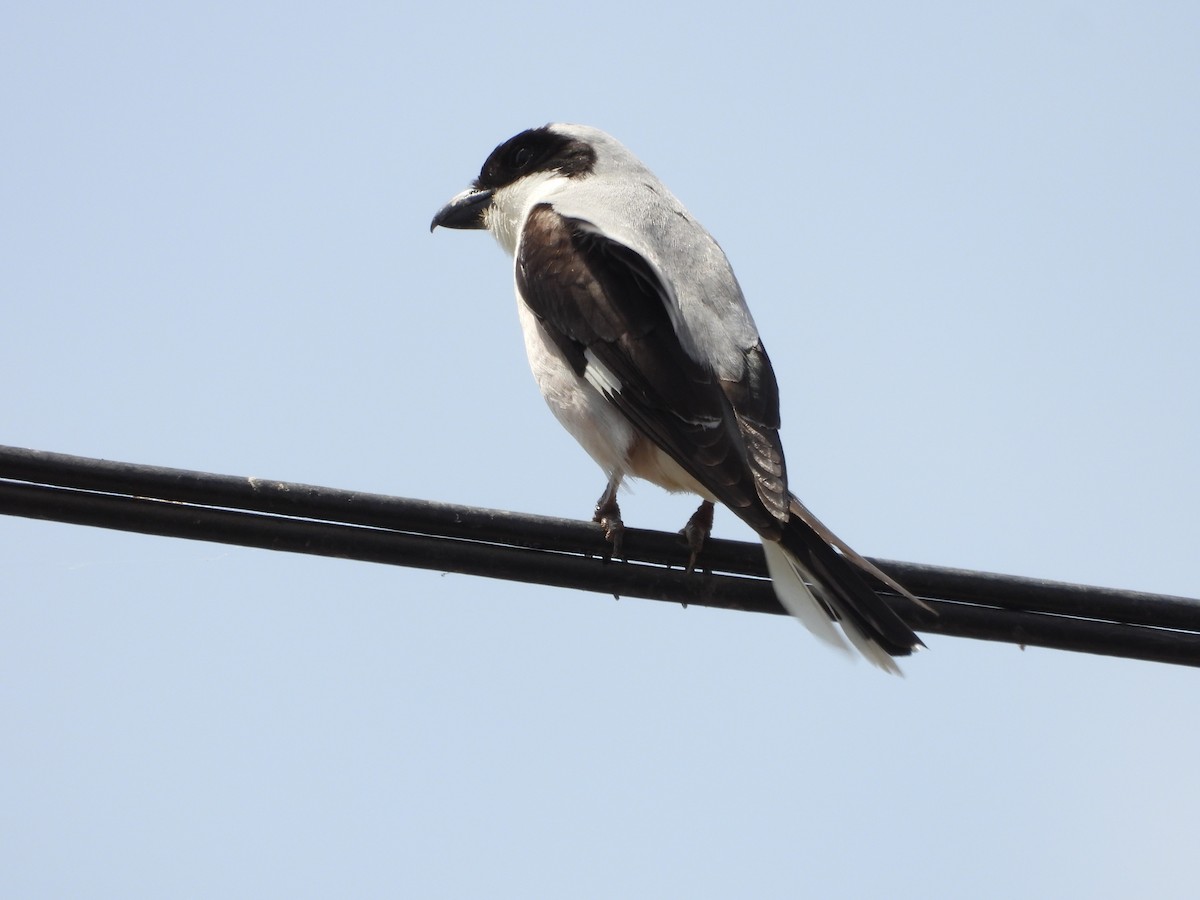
(606, 310)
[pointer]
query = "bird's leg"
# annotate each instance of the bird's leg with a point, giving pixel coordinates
(608, 514)
(697, 530)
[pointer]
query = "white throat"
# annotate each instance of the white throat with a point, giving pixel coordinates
(510, 205)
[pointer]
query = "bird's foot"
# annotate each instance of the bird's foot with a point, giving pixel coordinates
(696, 532)
(608, 514)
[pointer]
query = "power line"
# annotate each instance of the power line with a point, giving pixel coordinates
(301, 518)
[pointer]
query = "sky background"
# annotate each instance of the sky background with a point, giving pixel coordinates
(969, 236)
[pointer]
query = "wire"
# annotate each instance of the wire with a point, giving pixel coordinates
(301, 518)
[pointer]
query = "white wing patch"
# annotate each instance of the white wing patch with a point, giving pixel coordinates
(599, 376)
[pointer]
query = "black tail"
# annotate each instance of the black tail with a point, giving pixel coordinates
(817, 576)
(843, 590)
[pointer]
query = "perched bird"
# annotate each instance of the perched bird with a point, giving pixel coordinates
(641, 342)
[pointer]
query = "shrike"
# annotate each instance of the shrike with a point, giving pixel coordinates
(641, 342)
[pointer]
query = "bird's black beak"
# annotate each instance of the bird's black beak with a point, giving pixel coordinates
(464, 211)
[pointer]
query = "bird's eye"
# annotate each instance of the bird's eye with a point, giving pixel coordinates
(522, 157)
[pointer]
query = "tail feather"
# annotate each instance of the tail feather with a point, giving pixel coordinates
(799, 510)
(820, 586)
(798, 599)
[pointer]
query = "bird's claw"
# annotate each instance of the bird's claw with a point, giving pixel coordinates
(614, 532)
(696, 532)
(608, 514)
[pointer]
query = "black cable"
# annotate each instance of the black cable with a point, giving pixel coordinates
(564, 553)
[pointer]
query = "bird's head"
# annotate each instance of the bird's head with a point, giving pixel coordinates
(518, 173)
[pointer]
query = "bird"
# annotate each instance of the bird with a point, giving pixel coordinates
(642, 344)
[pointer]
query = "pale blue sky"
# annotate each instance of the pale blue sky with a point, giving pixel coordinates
(969, 236)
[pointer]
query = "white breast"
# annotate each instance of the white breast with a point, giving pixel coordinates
(594, 422)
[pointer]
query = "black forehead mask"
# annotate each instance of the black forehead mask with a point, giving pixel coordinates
(535, 150)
